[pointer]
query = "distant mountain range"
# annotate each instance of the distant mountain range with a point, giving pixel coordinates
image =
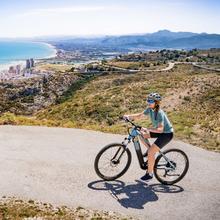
(161, 39)
(158, 40)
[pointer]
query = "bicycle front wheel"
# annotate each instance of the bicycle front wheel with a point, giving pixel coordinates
(112, 161)
(171, 166)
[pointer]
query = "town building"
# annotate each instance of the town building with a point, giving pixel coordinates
(28, 64)
(31, 62)
(18, 69)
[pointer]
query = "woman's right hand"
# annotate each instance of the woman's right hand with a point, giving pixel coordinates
(126, 117)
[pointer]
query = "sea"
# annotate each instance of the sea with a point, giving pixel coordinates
(16, 52)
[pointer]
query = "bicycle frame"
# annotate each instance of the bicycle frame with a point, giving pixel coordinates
(134, 136)
(165, 163)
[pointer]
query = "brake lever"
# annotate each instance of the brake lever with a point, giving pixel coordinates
(138, 127)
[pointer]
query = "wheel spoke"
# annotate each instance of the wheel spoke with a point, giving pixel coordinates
(172, 170)
(110, 168)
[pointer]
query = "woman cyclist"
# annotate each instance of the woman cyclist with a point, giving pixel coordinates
(162, 130)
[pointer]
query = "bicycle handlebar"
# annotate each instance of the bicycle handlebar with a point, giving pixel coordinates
(136, 126)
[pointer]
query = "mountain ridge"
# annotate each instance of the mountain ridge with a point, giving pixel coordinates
(165, 39)
(160, 39)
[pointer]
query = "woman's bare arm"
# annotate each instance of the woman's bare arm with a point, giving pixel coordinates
(159, 129)
(135, 116)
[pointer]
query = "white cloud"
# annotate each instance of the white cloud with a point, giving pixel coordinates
(111, 19)
(51, 11)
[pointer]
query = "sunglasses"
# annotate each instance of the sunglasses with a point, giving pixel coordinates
(151, 101)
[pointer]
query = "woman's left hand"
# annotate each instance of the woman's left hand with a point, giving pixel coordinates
(145, 130)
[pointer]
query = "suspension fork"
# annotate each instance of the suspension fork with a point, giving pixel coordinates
(124, 149)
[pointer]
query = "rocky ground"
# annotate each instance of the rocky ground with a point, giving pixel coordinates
(26, 96)
(17, 209)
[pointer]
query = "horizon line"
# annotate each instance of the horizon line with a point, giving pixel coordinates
(98, 35)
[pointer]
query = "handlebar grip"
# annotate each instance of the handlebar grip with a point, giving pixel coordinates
(127, 120)
(123, 118)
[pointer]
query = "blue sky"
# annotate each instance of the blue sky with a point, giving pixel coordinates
(21, 18)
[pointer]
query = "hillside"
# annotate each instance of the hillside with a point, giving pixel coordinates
(191, 100)
(27, 96)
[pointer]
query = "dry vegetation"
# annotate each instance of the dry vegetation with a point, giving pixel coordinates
(16, 209)
(139, 65)
(191, 100)
(53, 67)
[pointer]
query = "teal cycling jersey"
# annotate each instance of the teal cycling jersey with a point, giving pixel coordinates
(161, 118)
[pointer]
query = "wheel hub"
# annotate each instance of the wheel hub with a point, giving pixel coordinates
(115, 162)
(171, 164)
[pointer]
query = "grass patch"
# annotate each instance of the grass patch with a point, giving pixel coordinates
(53, 67)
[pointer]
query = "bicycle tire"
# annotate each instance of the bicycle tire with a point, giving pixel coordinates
(183, 173)
(108, 178)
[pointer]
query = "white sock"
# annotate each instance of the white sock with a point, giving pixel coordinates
(151, 174)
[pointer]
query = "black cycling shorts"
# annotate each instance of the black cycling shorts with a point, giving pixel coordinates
(162, 138)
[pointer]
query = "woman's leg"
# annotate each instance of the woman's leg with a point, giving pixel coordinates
(160, 142)
(142, 141)
(151, 157)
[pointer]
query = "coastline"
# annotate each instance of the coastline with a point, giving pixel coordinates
(5, 66)
(51, 46)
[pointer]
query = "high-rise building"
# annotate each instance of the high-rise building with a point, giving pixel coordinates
(18, 69)
(28, 64)
(32, 62)
(11, 69)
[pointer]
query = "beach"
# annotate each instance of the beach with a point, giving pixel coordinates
(52, 47)
(6, 62)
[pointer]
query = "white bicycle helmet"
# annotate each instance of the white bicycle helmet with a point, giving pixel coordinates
(155, 96)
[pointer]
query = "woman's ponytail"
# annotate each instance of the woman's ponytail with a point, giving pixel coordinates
(156, 108)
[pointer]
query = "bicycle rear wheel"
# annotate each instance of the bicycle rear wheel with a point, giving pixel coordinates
(112, 161)
(171, 167)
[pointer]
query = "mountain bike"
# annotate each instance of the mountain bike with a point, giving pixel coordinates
(114, 159)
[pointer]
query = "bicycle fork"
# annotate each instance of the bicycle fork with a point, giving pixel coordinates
(118, 159)
(123, 150)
